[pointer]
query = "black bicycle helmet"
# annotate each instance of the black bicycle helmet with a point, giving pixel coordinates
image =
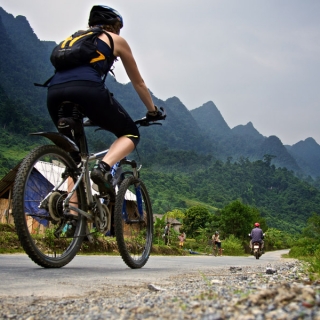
(104, 15)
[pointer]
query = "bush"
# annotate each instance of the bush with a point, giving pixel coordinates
(304, 247)
(232, 246)
(276, 239)
(296, 252)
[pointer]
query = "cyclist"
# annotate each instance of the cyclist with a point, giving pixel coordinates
(217, 242)
(257, 235)
(83, 85)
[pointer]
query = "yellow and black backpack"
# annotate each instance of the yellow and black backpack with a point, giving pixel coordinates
(78, 49)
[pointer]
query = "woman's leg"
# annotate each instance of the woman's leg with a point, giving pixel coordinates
(118, 150)
(74, 199)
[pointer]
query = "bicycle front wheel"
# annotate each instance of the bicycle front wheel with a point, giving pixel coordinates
(42, 183)
(133, 222)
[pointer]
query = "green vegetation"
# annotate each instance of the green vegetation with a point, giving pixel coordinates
(283, 201)
(233, 222)
(232, 246)
(307, 246)
(9, 239)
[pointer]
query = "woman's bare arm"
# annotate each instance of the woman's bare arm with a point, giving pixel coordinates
(123, 51)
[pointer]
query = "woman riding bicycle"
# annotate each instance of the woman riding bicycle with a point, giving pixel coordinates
(83, 85)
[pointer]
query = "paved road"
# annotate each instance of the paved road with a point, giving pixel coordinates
(21, 277)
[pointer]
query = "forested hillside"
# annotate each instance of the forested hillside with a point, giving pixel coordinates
(193, 158)
(283, 199)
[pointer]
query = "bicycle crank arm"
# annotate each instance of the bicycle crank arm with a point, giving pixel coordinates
(86, 214)
(89, 236)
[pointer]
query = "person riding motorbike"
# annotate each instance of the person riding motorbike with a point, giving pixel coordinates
(257, 235)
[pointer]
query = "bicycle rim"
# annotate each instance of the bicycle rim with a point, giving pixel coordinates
(46, 235)
(133, 222)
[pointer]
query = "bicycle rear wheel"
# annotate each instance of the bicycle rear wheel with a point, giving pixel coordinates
(133, 222)
(48, 237)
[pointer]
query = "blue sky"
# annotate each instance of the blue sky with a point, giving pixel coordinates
(258, 61)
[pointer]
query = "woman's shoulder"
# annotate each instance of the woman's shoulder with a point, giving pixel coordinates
(115, 37)
(120, 43)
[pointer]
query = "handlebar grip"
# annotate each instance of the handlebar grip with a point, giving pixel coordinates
(148, 121)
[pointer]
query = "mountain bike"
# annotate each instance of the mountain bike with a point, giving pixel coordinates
(55, 208)
(211, 249)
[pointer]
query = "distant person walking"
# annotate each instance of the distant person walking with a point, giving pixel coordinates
(181, 240)
(166, 233)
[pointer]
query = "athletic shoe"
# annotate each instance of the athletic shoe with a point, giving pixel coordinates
(103, 179)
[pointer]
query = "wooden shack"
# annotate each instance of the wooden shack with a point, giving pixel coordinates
(6, 188)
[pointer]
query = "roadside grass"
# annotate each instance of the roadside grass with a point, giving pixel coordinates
(312, 265)
(9, 243)
(108, 245)
(308, 250)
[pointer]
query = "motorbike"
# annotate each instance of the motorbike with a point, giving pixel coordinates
(256, 248)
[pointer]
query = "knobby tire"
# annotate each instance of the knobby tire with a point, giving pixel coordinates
(134, 239)
(35, 228)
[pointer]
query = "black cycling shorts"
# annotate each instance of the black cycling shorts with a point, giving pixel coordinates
(218, 244)
(97, 104)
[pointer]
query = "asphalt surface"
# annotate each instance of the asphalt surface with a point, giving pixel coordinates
(21, 277)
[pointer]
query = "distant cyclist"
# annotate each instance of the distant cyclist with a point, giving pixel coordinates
(83, 85)
(217, 242)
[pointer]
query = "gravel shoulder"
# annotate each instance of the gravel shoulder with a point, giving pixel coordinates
(266, 290)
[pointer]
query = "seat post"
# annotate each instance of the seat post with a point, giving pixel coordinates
(78, 117)
(70, 110)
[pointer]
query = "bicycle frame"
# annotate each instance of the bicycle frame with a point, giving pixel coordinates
(70, 146)
(63, 141)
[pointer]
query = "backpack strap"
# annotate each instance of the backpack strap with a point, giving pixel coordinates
(110, 39)
(112, 49)
(44, 85)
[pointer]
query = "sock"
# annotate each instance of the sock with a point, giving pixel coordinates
(105, 166)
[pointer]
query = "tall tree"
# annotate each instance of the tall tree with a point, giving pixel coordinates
(238, 219)
(195, 218)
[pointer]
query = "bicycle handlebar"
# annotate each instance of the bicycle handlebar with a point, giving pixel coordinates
(144, 122)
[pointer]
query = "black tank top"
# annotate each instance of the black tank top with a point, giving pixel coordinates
(87, 71)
